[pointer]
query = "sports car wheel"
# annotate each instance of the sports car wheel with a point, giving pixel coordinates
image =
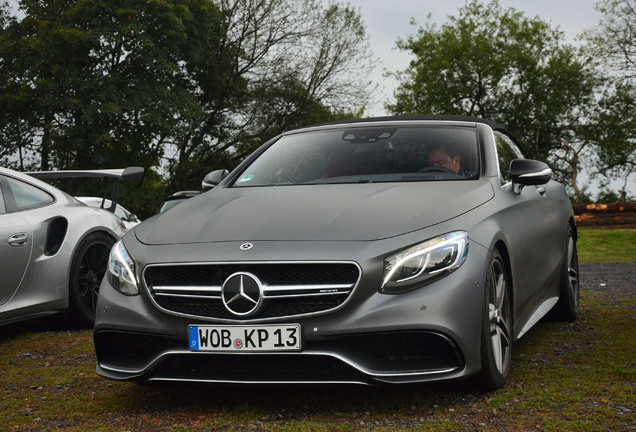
(567, 308)
(496, 337)
(87, 270)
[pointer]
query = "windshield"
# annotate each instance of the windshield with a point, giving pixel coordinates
(367, 155)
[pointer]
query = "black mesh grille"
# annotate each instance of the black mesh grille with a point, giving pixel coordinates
(381, 353)
(288, 278)
(403, 350)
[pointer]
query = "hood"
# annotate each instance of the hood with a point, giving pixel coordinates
(336, 212)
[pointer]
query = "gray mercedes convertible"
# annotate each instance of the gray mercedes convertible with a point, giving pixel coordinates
(393, 250)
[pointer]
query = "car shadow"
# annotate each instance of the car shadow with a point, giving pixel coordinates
(52, 323)
(290, 401)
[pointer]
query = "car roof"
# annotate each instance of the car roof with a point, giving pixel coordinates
(32, 180)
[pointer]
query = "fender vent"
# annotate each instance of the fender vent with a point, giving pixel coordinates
(55, 234)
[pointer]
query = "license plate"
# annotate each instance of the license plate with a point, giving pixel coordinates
(244, 338)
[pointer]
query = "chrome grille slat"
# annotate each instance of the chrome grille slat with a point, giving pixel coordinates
(177, 289)
(290, 289)
(192, 296)
(309, 290)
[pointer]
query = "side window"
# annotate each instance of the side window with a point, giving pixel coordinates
(120, 213)
(507, 151)
(3, 207)
(27, 196)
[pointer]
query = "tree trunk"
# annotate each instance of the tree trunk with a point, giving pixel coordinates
(575, 171)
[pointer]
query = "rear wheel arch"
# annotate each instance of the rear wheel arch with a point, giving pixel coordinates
(86, 269)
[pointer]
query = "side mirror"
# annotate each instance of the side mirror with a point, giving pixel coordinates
(213, 178)
(528, 172)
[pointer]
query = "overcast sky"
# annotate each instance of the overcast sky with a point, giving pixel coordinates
(388, 20)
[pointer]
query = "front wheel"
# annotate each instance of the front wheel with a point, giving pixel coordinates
(496, 332)
(87, 271)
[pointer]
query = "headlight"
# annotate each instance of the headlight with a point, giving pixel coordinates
(425, 262)
(121, 270)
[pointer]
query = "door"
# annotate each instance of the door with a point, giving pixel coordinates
(536, 232)
(16, 235)
(15, 251)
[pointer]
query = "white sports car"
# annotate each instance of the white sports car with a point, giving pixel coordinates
(129, 219)
(53, 249)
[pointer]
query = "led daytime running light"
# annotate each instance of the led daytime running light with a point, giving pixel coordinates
(121, 269)
(453, 245)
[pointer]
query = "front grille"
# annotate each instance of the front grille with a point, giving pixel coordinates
(289, 289)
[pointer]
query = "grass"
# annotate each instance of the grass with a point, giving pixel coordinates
(607, 246)
(565, 377)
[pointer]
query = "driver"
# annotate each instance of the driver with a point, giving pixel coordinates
(445, 156)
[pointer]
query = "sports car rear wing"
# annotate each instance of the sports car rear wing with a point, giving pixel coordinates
(110, 176)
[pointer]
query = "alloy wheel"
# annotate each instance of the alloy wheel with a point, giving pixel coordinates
(573, 271)
(499, 317)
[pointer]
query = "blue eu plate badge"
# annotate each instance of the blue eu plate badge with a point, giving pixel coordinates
(194, 337)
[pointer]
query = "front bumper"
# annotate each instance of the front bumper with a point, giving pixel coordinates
(360, 359)
(428, 334)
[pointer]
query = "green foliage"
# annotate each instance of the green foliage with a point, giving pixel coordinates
(99, 82)
(612, 129)
(613, 42)
(607, 196)
(297, 62)
(183, 86)
(501, 65)
(496, 64)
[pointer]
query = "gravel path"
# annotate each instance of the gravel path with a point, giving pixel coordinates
(609, 277)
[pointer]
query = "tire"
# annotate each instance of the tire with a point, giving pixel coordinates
(496, 327)
(87, 271)
(567, 308)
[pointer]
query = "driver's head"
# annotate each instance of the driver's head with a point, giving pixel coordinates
(445, 157)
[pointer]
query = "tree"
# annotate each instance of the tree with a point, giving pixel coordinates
(501, 65)
(295, 63)
(613, 42)
(100, 83)
(611, 130)
(183, 85)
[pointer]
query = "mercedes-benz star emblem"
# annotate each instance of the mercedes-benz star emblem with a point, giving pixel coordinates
(242, 294)
(246, 246)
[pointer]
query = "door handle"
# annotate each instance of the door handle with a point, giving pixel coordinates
(541, 191)
(18, 239)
